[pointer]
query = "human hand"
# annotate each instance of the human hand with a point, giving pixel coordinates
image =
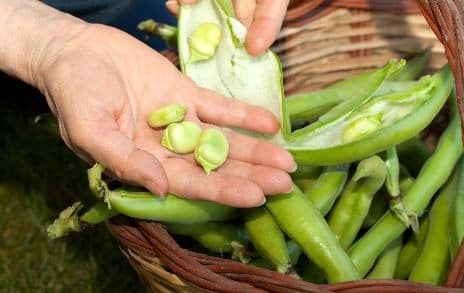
(102, 84)
(263, 18)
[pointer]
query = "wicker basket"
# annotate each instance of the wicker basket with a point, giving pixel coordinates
(322, 42)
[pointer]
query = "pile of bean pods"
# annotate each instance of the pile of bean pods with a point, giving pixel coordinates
(371, 199)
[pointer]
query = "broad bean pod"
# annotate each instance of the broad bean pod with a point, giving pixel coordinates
(170, 208)
(144, 205)
(380, 203)
(413, 153)
(306, 172)
(294, 251)
(383, 122)
(325, 191)
(307, 106)
(433, 175)
(303, 223)
(349, 212)
(378, 207)
(217, 237)
(267, 238)
(434, 259)
(411, 250)
(385, 265)
(305, 184)
(456, 233)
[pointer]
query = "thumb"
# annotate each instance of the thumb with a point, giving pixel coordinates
(268, 18)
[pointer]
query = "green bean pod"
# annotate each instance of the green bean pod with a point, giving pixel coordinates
(393, 175)
(433, 262)
(402, 116)
(294, 251)
(378, 207)
(306, 172)
(411, 251)
(380, 203)
(305, 184)
(432, 176)
(328, 187)
(413, 153)
(267, 238)
(312, 273)
(349, 212)
(414, 67)
(170, 208)
(303, 223)
(456, 216)
(217, 237)
(262, 263)
(144, 205)
(385, 266)
(307, 106)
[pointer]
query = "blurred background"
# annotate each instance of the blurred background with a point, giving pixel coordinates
(39, 177)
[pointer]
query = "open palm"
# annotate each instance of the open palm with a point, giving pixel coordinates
(102, 84)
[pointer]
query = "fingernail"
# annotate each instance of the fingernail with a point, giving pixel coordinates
(171, 3)
(291, 189)
(158, 190)
(290, 161)
(189, 1)
(264, 201)
(294, 168)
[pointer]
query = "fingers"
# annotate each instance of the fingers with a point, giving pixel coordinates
(188, 1)
(268, 18)
(270, 180)
(190, 181)
(173, 6)
(233, 113)
(259, 152)
(118, 153)
(244, 10)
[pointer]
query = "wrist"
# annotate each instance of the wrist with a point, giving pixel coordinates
(29, 33)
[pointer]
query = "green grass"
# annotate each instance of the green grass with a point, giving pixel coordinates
(39, 177)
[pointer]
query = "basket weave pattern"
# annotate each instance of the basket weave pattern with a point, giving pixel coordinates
(322, 42)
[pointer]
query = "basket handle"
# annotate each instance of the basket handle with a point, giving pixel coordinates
(446, 18)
